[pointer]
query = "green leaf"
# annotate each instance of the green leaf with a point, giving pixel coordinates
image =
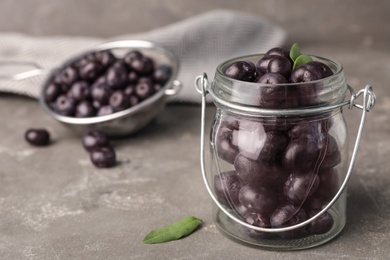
(173, 231)
(295, 51)
(302, 59)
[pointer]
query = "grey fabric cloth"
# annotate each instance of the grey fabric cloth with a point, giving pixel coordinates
(200, 42)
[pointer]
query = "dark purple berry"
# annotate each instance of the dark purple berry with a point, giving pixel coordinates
(96, 104)
(249, 170)
(101, 93)
(324, 149)
(103, 157)
(65, 106)
(332, 155)
(83, 61)
(277, 96)
(85, 109)
(278, 51)
(286, 216)
(95, 139)
(119, 101)
(274, 146)
(116, 75)
(226, 187)
(241, 70)
(308, 94)
(257, 220)
(225, 148)
(132, 77)
(304, 74)
(329, 184)
(252, 171)
(101, 80)
(262, 64)
(259, 73)
(67, 77)
(299, 187)
(304, 154)
(132, 55)
(283, 214)
(129, 90)
(80, 90)
(162, 74)
(280, 65)
(144, 89)
(324, 70)
(320, 225)
(272, 78)
(307, 129)
(91, 70)
(143, 66)
(148, 80)
(106, 58)
(257, 198)
(37, 137)
(105, 110)
(52, 92)
(278, 124)
(314, 202)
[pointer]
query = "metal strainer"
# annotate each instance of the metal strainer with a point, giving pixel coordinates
(123, 122)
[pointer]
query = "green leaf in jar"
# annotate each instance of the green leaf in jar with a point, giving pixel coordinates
(302, 59)
(295, 51)
(173, 231)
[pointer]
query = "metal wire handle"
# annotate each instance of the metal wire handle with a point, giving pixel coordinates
(202, 85)
(36, 71)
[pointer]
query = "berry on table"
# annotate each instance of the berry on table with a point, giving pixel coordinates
(37, 137)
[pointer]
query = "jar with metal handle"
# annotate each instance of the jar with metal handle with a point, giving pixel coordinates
(279, 162)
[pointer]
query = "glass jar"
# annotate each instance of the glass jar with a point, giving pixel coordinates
(279, 157)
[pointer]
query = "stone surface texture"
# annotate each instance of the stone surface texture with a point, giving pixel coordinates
(54, 204)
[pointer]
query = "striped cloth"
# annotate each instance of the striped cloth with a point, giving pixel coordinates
(201, 43)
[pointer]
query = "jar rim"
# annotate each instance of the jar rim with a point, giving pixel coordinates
(220, 71)
(276, 99)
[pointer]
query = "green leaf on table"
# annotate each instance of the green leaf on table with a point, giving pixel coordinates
(302, 59)
(173, 231)
(295, 51)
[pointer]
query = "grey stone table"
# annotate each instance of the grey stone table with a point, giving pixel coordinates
(55, 205)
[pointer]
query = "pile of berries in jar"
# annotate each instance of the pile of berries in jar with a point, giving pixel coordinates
(100, 83)
(283, 169)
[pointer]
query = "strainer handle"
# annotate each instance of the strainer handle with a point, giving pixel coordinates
(36, 70)
(174, 88)
(27, 81)
(202, 85)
